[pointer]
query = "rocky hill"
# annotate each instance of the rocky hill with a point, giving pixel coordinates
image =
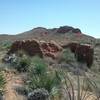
(62, 34)
(64, 53)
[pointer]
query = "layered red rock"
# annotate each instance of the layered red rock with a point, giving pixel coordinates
(34, 47)
(83, 52)
(31, 47)
(50, 49)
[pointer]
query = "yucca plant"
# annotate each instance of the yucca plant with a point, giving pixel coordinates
(40, 77)
(81, 92)
(38, 66)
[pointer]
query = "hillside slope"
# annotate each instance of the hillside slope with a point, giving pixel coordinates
(62, 34)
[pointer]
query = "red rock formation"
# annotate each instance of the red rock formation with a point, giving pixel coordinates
(83, 53)
(64, 29)
(50, 49)
(33, 47)
(76, 30)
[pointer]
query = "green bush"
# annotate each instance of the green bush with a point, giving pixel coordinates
(47, 81)
(38, 66)
(2, 83)
(21, 63)
(5, 44)
(40, 77)
(67, 56)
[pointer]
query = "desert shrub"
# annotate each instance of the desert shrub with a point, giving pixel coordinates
(2, 83)
(40, 77)
(38, 66)
(5, 44)
(48, 81)
(39, 94)
(67, 56)
(21, 64)
(79, 88)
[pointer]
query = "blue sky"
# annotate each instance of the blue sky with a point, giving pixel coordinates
(22, 15)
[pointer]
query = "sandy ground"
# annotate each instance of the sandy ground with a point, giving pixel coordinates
(13, 80)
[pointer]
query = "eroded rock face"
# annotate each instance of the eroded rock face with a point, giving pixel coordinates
(64, 29)
(34, 47)
(31, 47)
(83, 53)
(76, 30)
(50, 49)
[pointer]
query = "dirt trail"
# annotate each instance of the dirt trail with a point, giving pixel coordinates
(13, 80)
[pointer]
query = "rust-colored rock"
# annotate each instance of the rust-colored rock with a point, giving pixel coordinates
(34, 47)
(31, 47)
(83, 53)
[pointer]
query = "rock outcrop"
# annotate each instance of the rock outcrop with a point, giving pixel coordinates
(50, 49)
(34, 47)
(77, 30)
(31, 47)
(65, 29)
(83, 53)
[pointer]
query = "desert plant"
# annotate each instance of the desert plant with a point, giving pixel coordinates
(39, 94)
(40, 77)
(2, 83)
(5, 44)
(38, 66)
(21, 63)
(48, 81)
(81, 92)
(67, 56)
